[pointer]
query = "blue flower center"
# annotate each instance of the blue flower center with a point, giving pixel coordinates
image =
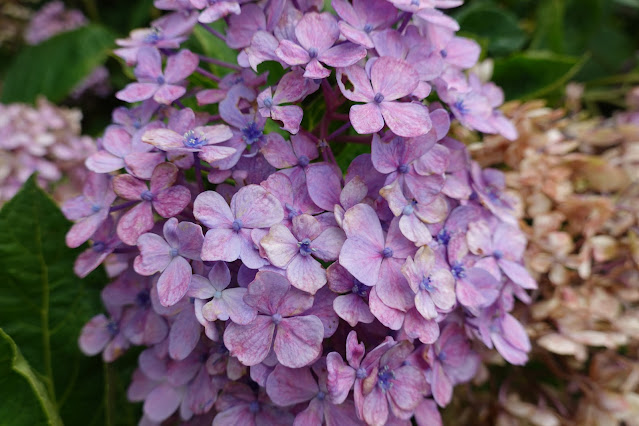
(173, 252)
(443, 53)
(303, 161)
(384, 378)
(112, 328)
(160, 80)
(292, 212)
(268, 102)
(409, 208)
(387, 252)
(443, 237)
(361, 373)
(218, 294)
(277, 318)
(305, 247)
(143, 299)
(154, 36)
(368, 28)
(237, 225)
(459, 105)
(498, 254)
(251, 133)
(312, 52)
(442, 356)
(98, 246)
(359, 289)
(321, 395)
(95, 208)
(254, 407)
(458, 270)
(404, 168)
(137, 123)
(191, 140)
(379, 98)
(147, 195)
(427, 284)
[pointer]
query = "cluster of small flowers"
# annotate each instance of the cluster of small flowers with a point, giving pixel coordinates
(576, 177)
(52, 19)
(280, 291)
(47, 140)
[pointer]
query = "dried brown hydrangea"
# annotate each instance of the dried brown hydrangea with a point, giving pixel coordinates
(577, 179)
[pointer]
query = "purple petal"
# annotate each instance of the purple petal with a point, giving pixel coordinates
(278, 152)
(343, 55)
(393, 78)
(306, 274)
(164, 139)
(323, 185)
(174, 281)
(280, 245)
(266, 291)
(184, 335)
(391, 318)
(406, 119)
(517, 273)
(298, 341)
(317, 30)
(128, 187)
(212, 211)
(353, 309)
(287, 386)
(168, 93)
(329, 243)
(190, 240)
(291, 53)
(290, 116)
(256, 207)
(180, 66)
(416, 326)
(95, 335)
(362, 90)
(367, 118)
(135, 222)
(250, 343)
(136, 92)
(161, 403)
(104, 162)
(155, 254)
(221, 244)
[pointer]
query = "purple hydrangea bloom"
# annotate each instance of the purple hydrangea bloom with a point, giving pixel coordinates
(229, 234)
(296, 339)
(169, 256)
(165, 87)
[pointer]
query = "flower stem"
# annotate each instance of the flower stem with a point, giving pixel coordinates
(213, 31)
(205, 73)
(198, 172)
(123, 206)
(220, 63)
(344, 127)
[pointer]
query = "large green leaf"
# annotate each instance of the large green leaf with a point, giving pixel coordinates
(53, 68)
(43, 307)
(25, 401)
(495, 26)
(533, 74)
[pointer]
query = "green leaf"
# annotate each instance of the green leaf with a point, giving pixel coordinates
(53, 68)
(275, 71)
(214, 47)
(25, 400)
(534, 74)
(498, 27)
(43, 305)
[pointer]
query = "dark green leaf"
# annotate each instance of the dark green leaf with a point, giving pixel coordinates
(53, 68)
(214, 47)
(25, 400)
(498, 27)
(43, 305)
(533, 74)
(274, 69)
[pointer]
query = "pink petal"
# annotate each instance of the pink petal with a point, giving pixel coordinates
(343, 55)
(315, 70)
(128, 187)
(180, 66)
(427, 414)
(340, 377)
(280, 245)
(290, 116)
(376, 407)
(328, 244)
(287, 386)
(164, 175)
(416, 326)
(256, 207)
(367, 118)
(266, 291)
(517, 273)
(212, 211)
(136, 92)
(352, 309)
(167, 93)
(298, 341)
(291, 53)
(361, 260)
(362, 90)
(391, 318)
(441, 386)
(444, 294)
(174, 281)
(95, 335)
(171, 201)
(164, 139)
(317, 30)
(149, 63)
(306, 274)
(356, 36)
(394, 78)
(323, 185)
(155, 254)
(250, 343)
(312, 415)
(104, 162)
(135, 222)
(392, 288)
(406, 119)
(190, 239)
(142, 164)
(409, 389)
(279, 153)
(221, 244)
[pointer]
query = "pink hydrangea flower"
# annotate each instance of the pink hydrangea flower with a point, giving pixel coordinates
(296, 339)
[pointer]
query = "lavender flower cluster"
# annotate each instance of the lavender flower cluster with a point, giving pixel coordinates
(45, 139)
(277, 290)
